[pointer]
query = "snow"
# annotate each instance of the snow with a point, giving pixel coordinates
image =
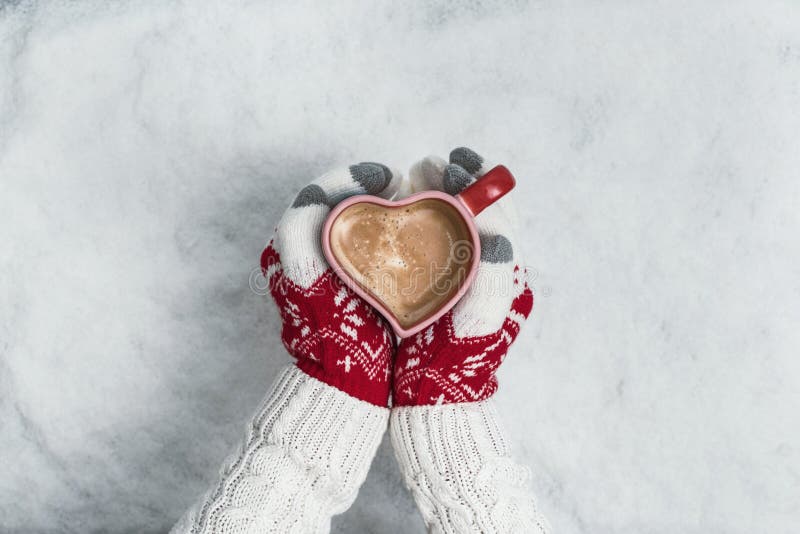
(148, 148)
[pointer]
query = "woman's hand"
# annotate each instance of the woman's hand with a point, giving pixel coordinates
(455, 359)
(335, 336)
(444, 429)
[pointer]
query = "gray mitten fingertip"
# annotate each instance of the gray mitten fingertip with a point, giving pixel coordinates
(373, 177)
(496, 249)
(456, 179)
(467, 158)
(310, 195)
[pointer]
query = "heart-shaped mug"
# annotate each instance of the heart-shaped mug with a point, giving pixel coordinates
(411, 259)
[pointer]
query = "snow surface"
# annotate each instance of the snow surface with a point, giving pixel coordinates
(147, 148)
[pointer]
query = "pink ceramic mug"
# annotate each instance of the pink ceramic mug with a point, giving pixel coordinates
(469, 203)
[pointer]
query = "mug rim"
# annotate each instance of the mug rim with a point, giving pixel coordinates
(453, 201)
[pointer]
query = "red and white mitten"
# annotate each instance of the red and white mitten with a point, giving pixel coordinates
(335, 336)
(444, 429)
(308, 448)
(455, 359)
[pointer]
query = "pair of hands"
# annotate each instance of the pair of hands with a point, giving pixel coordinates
(341, 340)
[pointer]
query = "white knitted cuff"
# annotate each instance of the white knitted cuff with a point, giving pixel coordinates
(304, 455)
(457, 464)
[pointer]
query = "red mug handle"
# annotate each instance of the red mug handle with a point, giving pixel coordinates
(487, 190)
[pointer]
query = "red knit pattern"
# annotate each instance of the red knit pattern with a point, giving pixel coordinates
(335, 336)
(436, 367)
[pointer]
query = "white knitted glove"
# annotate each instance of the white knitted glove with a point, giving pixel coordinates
(444, 427)
(308, 448)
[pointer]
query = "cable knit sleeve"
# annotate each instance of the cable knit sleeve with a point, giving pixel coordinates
(304, 455)
(457, 464)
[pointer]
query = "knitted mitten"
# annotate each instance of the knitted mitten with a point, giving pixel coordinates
(308, 448)
(444, 429)
(335, 336)
(455, 359)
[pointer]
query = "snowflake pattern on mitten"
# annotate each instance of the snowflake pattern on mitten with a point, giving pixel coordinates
(455, 359)
(335, 336)
(436, 366)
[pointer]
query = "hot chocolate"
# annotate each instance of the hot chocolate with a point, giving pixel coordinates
(413, 258)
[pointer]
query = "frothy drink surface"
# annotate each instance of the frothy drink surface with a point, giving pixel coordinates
(413, 258)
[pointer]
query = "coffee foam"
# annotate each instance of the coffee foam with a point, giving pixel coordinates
(413, 258)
